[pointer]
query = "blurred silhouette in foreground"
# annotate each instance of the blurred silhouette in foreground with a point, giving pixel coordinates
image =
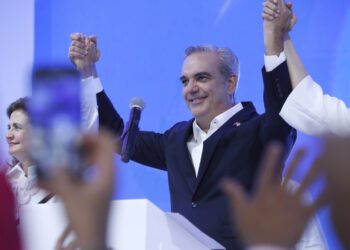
(87, 202)
(275, 217)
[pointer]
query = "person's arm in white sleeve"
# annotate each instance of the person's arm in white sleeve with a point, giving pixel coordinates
(307, 108)
(297, 71)
(312, 112)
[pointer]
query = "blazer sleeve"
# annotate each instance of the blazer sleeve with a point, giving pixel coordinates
(277, 87)
(149, 146)
(312, 112)
(108, 116)
(150, 149)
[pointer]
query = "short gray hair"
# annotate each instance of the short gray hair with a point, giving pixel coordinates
(229, 64)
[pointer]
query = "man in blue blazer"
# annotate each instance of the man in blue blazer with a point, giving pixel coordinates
(224, 137)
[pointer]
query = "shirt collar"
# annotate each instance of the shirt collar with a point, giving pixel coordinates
(216, 123)
(17, 171)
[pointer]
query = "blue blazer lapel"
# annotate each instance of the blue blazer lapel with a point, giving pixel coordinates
(210, 145)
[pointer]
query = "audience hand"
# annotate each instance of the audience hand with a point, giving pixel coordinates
(336, 161)
(87, 202)
(61, 243)
(273, 215)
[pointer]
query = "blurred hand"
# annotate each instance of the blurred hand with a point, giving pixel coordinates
(87, 202)
(273, 215)
(61, 242)
(336, 161)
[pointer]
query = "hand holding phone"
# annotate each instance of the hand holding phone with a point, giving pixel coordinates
(55, 117)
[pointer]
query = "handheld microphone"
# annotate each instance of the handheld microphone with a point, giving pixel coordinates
(132, 128)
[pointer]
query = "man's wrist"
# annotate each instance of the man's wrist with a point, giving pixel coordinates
(273, 42)
(87, 71)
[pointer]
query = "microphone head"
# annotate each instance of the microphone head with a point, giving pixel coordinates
(137, 102)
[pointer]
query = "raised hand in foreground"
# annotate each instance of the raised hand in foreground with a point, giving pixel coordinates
(87, 202)
(336, 161)
(273, 215)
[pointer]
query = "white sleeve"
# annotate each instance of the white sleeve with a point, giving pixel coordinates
(310, 111)
(272, 62)
(89, 88)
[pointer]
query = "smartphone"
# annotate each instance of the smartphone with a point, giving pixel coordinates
(55, 118)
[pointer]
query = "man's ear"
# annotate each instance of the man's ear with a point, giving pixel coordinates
(232, 84)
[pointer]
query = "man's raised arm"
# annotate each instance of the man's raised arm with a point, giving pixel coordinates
(98, 110)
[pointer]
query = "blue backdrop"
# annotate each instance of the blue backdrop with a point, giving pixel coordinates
(142, 44)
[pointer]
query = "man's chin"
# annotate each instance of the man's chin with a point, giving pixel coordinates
(197, 114)
(197, 108)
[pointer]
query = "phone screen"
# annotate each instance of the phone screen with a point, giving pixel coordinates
(55, 117)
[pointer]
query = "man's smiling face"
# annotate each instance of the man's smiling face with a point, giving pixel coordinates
(206, 91)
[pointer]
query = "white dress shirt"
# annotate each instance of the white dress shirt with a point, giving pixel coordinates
(24, 187)
(89, 88)
(273, 61)
(310, 111)
(195, 143)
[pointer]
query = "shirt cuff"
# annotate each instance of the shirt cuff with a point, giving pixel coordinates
(95, 82)
(272, 62)
(305, 85)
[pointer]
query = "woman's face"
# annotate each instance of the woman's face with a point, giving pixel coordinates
(17, 135)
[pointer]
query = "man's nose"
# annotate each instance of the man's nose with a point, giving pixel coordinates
(193, 86)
